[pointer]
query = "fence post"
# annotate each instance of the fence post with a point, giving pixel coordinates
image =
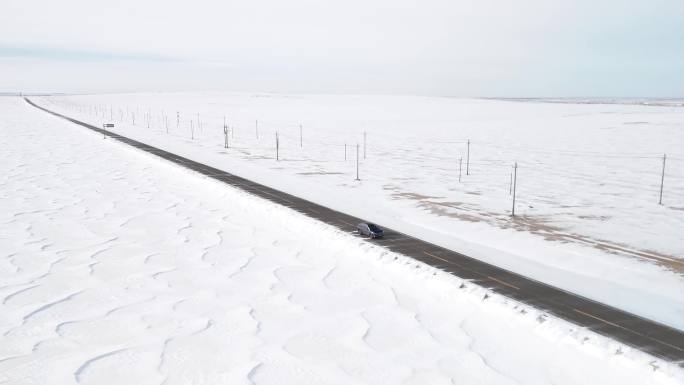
(460, 168)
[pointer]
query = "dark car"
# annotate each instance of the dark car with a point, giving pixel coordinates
(369, 229)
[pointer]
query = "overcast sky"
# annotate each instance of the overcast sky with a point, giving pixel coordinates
(436, 47)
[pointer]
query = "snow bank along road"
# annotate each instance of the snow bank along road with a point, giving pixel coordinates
(651, 337)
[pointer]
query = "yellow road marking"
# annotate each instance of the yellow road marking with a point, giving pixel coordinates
(624, 328)
(600, 319)
(434, 256)
(503, 282)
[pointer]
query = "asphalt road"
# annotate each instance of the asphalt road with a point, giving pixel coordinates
(654, 338)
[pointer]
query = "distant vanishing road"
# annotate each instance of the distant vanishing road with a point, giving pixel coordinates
(651, 337)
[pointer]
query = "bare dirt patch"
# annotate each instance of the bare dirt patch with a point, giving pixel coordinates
(538, 225)
(412, 196)
(320, 173)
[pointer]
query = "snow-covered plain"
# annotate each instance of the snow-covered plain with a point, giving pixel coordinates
(588, 178)
(117, 267)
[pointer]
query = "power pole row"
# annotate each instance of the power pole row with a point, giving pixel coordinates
(512, 181)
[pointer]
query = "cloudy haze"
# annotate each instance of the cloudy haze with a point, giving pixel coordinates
(436, 47)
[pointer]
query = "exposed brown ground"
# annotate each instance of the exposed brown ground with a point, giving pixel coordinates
(319, 173)
(538, 225)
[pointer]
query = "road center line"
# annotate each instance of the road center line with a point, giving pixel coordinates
(503, 282)
(601, 319)
(627, 329)
(434, 256)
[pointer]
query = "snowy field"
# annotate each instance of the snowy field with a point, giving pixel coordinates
(588, 177)
(119, 268)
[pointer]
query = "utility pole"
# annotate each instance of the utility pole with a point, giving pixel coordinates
(468, 159)
(357, 161)
(256, 128)
(515, 182)
(662, 180)
(345, 152)
(225, 133)
(300, 136)
(192, 130)
(277, 147)
(510, 185)
(460, 168)
(177, 119)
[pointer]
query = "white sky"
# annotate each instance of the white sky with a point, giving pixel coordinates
(440, 47)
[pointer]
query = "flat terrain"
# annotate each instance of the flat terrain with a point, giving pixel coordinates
(588, 219)
(119, 267)
(659, 340)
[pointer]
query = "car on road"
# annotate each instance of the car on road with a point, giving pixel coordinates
(369, 229)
